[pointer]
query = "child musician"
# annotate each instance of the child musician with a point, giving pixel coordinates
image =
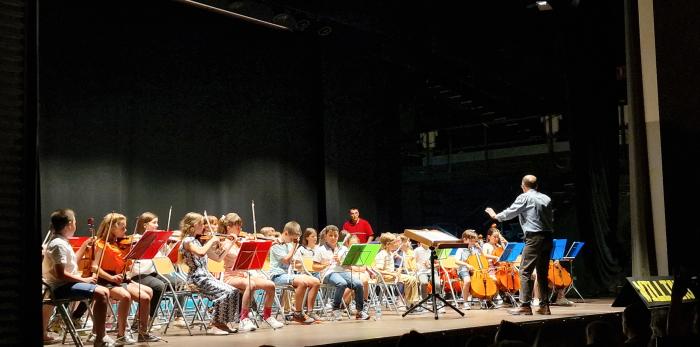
(309, 247)
(385, 266)
(194, 254)
(362, 274)
(281, 256)
(60, 272)
(329, 259)
(144, 272)
(469, 237)
(111, 266)
(248, 283)
(422, 256)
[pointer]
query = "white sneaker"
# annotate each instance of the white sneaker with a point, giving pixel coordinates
(337, 315)
(124, 340)
(466, 306)
(180, 322)
(246, 325)
(564, 302)
(274, 323)
(535, 302)
(362, 315)
(216, 331)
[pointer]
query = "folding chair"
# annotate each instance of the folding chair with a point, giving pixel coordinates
(61, 305)
(199, 306)
(449, 263)
(164, 266)
(216, 268)
(280, 291)
(387, 289)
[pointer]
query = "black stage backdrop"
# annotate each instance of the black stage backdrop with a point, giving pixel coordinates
(145, 105)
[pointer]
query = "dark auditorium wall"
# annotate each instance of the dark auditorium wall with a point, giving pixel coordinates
(145, 105)
(678, 54)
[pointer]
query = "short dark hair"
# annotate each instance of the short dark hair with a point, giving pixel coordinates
(61, 218)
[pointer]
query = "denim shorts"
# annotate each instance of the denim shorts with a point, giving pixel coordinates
(283, 279)
(75, 291)
(464, 275)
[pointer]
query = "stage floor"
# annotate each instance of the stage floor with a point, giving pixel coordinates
(390, 325)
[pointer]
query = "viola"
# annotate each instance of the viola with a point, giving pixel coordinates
(482, 285)
(557, 276)
(85, 264)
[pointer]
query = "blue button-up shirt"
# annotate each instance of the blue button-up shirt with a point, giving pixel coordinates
(533, 209)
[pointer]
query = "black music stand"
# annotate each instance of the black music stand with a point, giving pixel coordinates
(434, 296)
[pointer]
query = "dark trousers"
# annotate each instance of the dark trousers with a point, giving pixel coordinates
(535, 256)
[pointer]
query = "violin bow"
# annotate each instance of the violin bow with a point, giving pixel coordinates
(46, 239)
(170, 212)
(104, 250)
(255, 229)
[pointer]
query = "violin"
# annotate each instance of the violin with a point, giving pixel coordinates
(125, 242)
(557, 276)
(482, 285)
(207, 237)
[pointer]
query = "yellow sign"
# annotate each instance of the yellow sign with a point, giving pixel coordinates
(657, 290)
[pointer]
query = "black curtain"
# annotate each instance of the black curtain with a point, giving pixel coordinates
(147, 105)
(590, 30)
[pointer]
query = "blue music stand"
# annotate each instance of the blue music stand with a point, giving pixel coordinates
(558, 249)
(573, 252)
(512, 251)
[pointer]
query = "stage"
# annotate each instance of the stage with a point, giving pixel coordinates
(385, 332)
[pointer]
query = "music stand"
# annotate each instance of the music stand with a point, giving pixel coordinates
(361, 254)
(573, 252)
(146, 248)
(510, 255)
(251, 256)
(511, 252)
(558, 249)
(436, 240)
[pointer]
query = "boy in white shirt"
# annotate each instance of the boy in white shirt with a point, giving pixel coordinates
(329, 258)
(60, 272)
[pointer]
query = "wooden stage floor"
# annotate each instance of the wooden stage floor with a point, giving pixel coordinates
(386, 329)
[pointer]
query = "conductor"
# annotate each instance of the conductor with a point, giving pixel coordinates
(534, 212)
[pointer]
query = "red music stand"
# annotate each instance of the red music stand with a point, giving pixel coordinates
(77, 241)
(146, 248)
(148, 245)
(174, 252)
(252, 256)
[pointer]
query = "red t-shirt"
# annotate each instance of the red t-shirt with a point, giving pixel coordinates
(362, 229)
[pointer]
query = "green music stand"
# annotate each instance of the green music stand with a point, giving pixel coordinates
(361, 254)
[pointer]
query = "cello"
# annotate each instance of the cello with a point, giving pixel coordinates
(482, 285)
(557, 276)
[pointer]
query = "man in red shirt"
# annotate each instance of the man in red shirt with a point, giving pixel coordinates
(359, 227)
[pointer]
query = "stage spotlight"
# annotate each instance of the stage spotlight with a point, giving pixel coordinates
(540, 6)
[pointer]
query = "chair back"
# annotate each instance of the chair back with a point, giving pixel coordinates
(164, 265)
(307, 262)
(449, 263)
(215, 267)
